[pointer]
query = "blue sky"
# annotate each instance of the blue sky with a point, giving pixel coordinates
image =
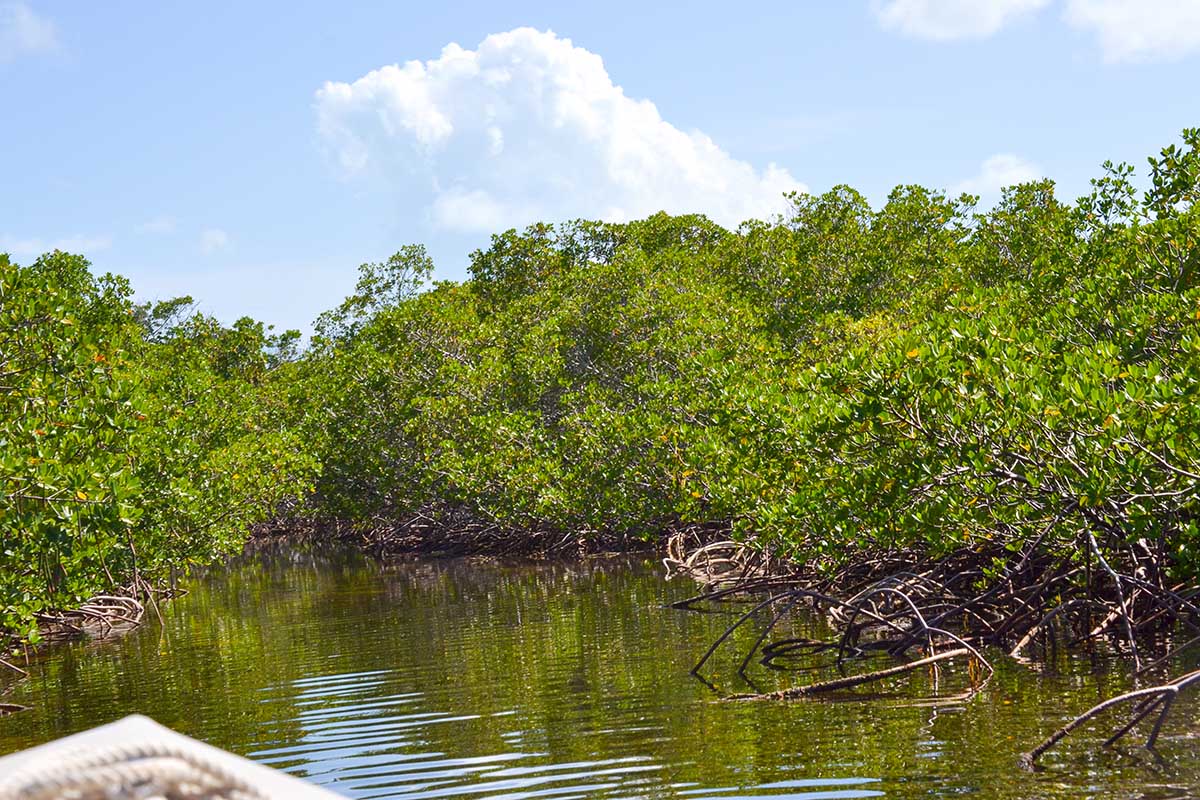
(252, 154)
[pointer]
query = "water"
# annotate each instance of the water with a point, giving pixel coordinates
(467, 679)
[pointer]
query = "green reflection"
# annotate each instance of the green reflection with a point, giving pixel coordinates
(470, 678)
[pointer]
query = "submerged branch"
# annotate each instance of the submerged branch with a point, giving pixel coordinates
(851, 681)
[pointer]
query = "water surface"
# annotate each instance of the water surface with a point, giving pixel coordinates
(469, 679)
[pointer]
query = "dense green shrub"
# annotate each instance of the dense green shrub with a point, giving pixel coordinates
(841, 380)
(133, 440)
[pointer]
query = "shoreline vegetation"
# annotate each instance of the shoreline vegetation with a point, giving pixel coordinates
(449, 533)
(945, 427)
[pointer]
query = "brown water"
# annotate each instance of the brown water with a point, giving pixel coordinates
(468, 679)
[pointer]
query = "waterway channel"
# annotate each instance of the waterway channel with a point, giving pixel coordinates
(475, 679)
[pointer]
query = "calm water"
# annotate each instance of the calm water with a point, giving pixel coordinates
(466, 679)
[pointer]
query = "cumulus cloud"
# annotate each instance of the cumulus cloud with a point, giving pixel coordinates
(1139, 30)
(33, 247)
(212, 240)
(23, 32)
(951, 19)
(530, 127)
(996, 173)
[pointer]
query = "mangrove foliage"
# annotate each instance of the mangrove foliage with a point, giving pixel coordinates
(926, 379)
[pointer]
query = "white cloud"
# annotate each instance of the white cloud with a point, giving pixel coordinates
(23, 32)
(212, 240)
(1127, 30)
(160, 224)
(1139, 30)
(530, 127)
(32, 248)
(951, 19)
(996, 173)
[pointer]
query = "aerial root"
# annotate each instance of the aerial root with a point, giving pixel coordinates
(878, 618)
(715, 564)
(1153, 698)
(13, 667)
(838, 684)
(99, 616)
(926, 612)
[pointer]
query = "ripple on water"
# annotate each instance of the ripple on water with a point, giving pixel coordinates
(458, 679)
(362, 736)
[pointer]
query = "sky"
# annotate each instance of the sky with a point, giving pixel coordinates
(253, 154)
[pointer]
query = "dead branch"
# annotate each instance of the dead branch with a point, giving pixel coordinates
(851, 681)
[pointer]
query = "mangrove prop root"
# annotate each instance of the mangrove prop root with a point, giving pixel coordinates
(849, 682)
(13, 667)
(924, 610)
(1154, 697)
(444, 528)
(714, 564)
(99, 616)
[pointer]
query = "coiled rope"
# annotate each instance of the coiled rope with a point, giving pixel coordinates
(145, 771)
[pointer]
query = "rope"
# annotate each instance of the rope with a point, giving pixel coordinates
(128, 772)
